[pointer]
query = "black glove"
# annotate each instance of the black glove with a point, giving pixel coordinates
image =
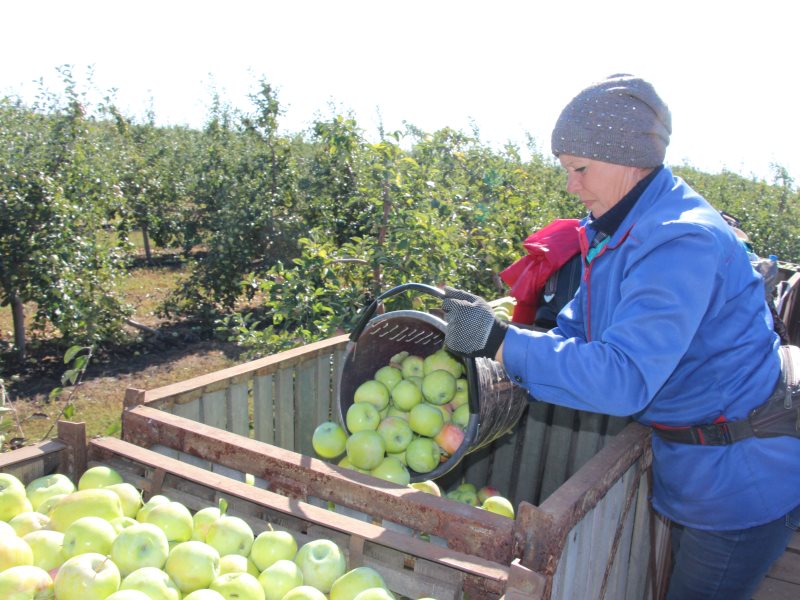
(472, 328)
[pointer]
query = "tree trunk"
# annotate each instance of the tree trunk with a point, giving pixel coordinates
(146, 241)
(18, 316)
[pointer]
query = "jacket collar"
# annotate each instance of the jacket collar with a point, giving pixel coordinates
(609, 223)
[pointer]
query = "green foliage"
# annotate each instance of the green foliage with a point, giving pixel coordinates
(308, 226)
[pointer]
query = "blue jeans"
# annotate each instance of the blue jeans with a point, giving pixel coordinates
(726, 565)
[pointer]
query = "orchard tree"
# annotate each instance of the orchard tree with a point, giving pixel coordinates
(56, 193)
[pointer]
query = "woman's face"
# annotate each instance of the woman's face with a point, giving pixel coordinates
(599, 185)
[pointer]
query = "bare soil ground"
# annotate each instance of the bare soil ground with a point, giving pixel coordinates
(180, 351)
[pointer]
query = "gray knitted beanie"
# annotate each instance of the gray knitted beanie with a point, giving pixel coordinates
(620, 120)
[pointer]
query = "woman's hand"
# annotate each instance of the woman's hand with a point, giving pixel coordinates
(472, 328)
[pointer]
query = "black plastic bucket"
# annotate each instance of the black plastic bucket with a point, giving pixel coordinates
(495, 403)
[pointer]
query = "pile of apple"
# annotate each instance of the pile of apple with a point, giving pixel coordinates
(410, 415)
(99, 541)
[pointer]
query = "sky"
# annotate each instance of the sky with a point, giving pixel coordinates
(727, 69)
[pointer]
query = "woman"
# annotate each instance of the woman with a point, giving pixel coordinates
(669, 326)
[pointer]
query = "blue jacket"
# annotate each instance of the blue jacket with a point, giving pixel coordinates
(670, 326)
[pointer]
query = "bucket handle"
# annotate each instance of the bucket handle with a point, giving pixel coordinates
(370, 310)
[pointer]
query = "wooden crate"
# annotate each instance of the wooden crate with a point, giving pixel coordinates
(580, 481)
(411, 566)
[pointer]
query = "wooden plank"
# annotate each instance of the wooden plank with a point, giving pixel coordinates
(264, 366)
(237, 401)
(188, 410)
(775, 589)
(264, 408)
(530, 460)
(30, 462)
(557, 451)
(326, 409)
(587, 440)
(213, 411)
(306, 407)
(787, 568)
(284, 409)
(504, 475)
(556, 516)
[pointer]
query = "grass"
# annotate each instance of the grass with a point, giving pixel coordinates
(98, 399)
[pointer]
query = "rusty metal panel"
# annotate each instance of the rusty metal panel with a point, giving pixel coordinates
(465, 528)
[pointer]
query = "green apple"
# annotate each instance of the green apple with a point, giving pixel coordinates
(26, 522)
(321, 562)
(84, 503)
(89, 576)
(46, 506)
(460, 416)
(121, 523)
(174, 519)
(25, 582)
(271, 546)
(328, 439)
(230, 535)
(13, 499)
(406, 395)
(304, 592)
(153, 582)
(428, 486)
(280, 577)
(396, 412)
(362, 416)
(439, 387)
(374, 392)
(375, 593)
(345, 462)
(236, 586)
(204, 595)
(99, 476)
(442, 360)
(412, 366)
(192, 566)
(203, 518)
(129, 497)
(89, 534)
(397, 359)
(150, 505)
(349, 585)
(425, 419)
(389, 376)
(396, 434)
(47, 548)
(392, 469)
(236, 563)
(499, 505)
(140, 545)
(422, 455)
(42, 488)
(401, 456)
(6, 529)
(449, 438)
(416, 380)
(14, 552)
(445, 410)
(128, 595)
(365, 449)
